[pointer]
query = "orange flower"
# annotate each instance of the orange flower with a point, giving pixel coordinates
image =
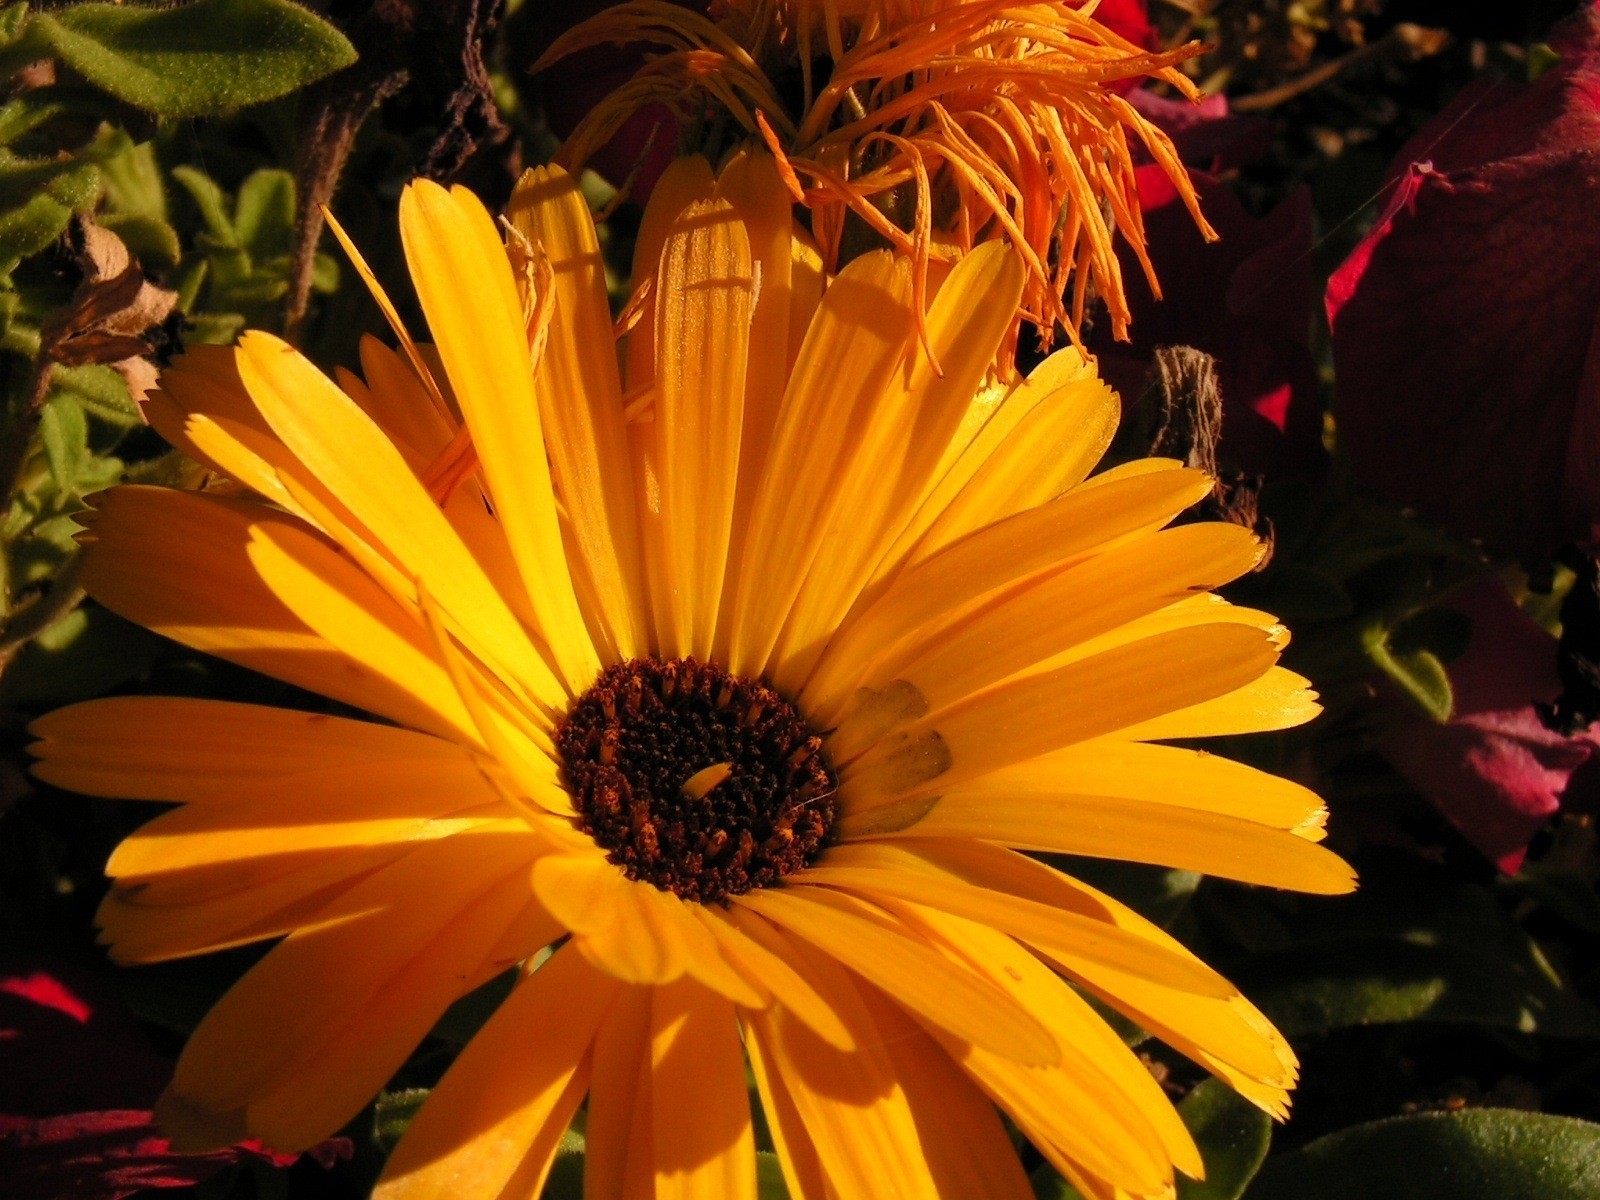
(940, 124)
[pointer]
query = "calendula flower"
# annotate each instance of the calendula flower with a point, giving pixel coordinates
(929, 125)
(741, 708)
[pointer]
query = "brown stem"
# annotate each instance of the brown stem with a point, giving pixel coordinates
(33, 618)
(325, 145)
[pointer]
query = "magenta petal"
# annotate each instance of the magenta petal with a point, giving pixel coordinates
(1463, 325)
(1493, 769)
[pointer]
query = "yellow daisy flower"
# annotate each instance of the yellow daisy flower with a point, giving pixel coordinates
(932, 125)
(723, 725)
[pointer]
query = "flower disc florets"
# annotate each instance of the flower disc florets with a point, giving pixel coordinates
(695, 780)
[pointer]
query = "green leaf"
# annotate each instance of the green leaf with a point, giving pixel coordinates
(325, 274)
(1048, 1185)
(12, 18)
(25, 114)
(211, 202)
(263, 214)
(1424, 953)
(1233, 1136)
(64, 433)
(770, 1184)
(100, 392)
(1419, 674)
(1481, 1154)
(392, 1113)
(566, 1173)
(216, 329)
(133, 183)
(33, 225)
(74, 184)
(198, 59)
(151, 240)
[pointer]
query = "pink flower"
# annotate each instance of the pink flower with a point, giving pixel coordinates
(1466, 326)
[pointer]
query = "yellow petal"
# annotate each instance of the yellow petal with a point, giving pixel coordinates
(1034, 714)
(202, 408)
(752, 184)
(341, 447)
(969, 1152)
(580, 400)
(326, 810)
(1043, 438)
(1223, 1033)
(1280, 699)
(1108, 1080)
(704, 295)
(401, 403)
(702, 1137)
(752, 943)
(648, 943)
(464, 282)
(938, 591)
(902, 964)
(201, 910)
(497, 1116)
(178, 563)
(331, 1079)
(215, 751)
(891, 471)
(898, 870)
(1191, 778)
(617, 1129)
(1027, 626)
(856, 343)
(797, 1154)
(379, 929)
(843, 1117)
(1032, 811)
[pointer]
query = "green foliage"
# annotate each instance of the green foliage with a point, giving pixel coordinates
(1233, 1136)
(1412, 950)
(1488, 1154)
(194, 60)
(240, 272)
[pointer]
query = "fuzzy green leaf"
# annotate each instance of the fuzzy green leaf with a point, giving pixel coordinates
(64, 433)
(1482, 1154)
(263, 213)
(199, 59)
(1233, 1136)
(133, 183)
(392, 1114)
(211, 202)
(151, 240)
(100, 392)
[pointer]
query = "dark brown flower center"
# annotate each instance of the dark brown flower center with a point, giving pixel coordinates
(695, 780)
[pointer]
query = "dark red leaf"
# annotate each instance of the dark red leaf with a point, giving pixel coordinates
(1465, 323)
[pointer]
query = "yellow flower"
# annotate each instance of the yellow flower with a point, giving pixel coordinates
(744, 706)
(934, 125)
